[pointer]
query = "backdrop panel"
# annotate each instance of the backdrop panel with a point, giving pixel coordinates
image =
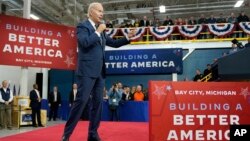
(197, 111)
(32, 43)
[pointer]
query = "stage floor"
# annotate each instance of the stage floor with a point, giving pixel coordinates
(108, 131)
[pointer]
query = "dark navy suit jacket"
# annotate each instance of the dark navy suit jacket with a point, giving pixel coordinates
(34, 103)
(91, 55)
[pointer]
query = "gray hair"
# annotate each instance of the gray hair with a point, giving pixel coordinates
(91, 6)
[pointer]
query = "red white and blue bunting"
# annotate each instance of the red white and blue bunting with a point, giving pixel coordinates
(161, 32)
(111, 32)
(139, 32)
(190, 31)
(245, 26)
(221, 29)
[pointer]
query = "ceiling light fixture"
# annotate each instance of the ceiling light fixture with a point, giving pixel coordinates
(239, 3)
(162, 9)
(34, 17)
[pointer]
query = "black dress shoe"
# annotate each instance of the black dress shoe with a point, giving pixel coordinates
(65, 138)
(94, 139)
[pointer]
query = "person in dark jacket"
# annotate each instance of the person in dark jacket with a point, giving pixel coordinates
(35, 104)
(54, 103)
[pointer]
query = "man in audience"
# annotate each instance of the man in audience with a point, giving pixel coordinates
(221, 19)
(242, 17)
(115, 96)
(120, 87)
(207, 70)
(35, 104)
(198, 76)
(54, 103)
(232, 19)
(139, 95)
(6, 97)
(211, 20)
(73, 94)
(157, 23)
(144, 22)
(168, 21)
(202, 20)
(192, 21)
(126, 95)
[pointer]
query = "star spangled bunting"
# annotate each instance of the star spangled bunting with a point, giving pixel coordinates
(221, 29)
(161, 32)
(190, 31)
(245, 26)
(111, 32)
(139, 32)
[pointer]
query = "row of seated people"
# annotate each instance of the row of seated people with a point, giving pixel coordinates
(144, 22)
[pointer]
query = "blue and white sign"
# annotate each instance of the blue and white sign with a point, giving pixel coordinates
(147, 61)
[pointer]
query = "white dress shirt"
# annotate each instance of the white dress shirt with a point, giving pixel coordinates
(74, 94)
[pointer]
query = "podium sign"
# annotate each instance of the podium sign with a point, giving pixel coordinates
(183, 111)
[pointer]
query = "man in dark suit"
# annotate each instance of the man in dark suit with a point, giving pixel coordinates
(54, 103)
(35, 104)
(144, 22)
(90, 73)
(72, 94)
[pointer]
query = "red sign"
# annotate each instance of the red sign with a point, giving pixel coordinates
(197, 111)
(36, 44)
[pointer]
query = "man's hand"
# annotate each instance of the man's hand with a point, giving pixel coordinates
(131, 33)
(101, 28)
(6, 103)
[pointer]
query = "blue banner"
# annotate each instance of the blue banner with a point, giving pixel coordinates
(147, 61)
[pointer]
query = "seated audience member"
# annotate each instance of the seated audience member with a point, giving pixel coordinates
(6, 98)
(198, 76)
(247, 45)
(73, 94)
(115, 96)
(233, 49)
(207, 70)
(168, 21)
(139, 95)
(54, 103)
(126, 95)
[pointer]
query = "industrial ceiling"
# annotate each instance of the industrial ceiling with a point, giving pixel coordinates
(70, 12)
